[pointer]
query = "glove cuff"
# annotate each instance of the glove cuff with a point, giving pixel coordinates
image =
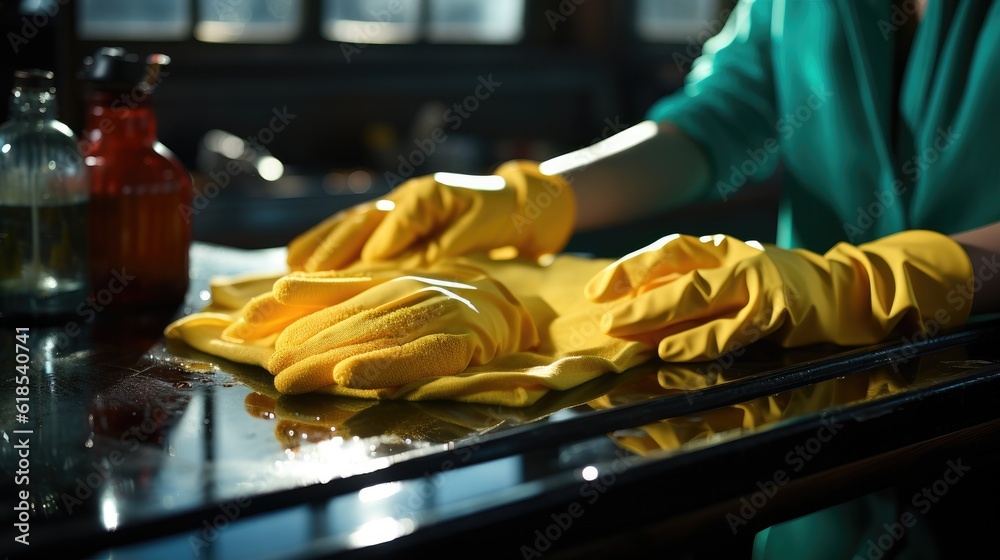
(933, 270)
(916, 281)
(546, 208)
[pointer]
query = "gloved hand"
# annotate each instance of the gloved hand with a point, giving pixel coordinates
(697, 298)
(445, 215)
(385, 329)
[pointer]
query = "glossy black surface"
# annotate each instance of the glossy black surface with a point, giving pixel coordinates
(143, 448)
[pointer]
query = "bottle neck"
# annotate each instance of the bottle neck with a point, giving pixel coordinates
(122, 114)
(32, 104)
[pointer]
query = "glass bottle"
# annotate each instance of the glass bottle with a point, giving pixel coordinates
(140, 235)
(44, 193)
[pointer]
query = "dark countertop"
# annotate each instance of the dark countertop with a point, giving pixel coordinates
(143, 448)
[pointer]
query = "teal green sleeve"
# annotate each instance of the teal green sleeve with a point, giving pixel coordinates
(727, 104)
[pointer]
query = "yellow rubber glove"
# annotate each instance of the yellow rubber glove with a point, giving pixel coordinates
(697, 298)
(382, 337)
(380, 330)
(737, 420)
(446, 215)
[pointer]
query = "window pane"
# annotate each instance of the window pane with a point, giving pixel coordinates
(676, 20)
(39, 6)
(371, 21)
(474, 21)
(135, 21)
(248, 21)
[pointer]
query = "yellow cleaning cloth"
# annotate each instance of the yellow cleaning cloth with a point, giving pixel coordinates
(464, 329)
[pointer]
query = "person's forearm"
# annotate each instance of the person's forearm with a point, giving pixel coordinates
(642, 171)
(983, 247)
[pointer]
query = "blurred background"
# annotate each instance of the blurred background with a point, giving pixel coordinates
(326, 103)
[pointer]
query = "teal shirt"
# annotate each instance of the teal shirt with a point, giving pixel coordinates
(809, 84)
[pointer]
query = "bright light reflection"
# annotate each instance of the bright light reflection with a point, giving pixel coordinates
(219, 31)
(5, 149)
(109, 514)
(385, 205)
(231, 146)
(589, 472)
(755, 245)
(380, 531)
(615, 144)
(270, 168)
(475, 182)
(451, 295)
(359, 182)
(379, 492)
(436, 282)
(654, 246)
